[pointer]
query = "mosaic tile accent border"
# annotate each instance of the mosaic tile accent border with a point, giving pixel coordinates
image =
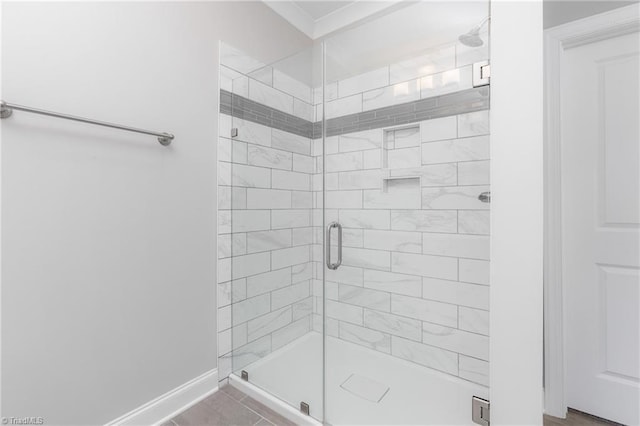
(465, 101)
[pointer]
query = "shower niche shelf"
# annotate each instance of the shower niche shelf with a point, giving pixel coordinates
(400, 158)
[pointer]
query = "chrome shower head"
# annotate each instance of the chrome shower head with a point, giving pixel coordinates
(471, 39)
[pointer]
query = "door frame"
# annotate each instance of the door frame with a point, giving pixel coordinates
(557, 41)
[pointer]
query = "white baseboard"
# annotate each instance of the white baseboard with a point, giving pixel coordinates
(171, 403)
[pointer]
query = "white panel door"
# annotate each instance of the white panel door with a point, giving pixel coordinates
(601, 218)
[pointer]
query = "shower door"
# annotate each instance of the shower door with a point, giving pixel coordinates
(406, 217)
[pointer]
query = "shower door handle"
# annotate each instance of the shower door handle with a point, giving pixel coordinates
(339, 262)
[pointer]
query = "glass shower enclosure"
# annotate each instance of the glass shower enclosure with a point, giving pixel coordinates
(353, 220)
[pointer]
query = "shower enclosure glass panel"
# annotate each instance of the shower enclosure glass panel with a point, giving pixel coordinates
(273, 183)
(354, 220)
(406, 159)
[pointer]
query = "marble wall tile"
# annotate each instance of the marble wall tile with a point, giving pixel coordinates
(342, 106)
(301, 199)
(268, 199)
(400, 194)
(282, 179)
(399, 93)
(372, 159)
(363, 82)
(365, 219)
(473, 320)
(268, 157)
(239, 152)
(263, 75)
(473, 124)
(446, 82)
(227, 75)
(302, 308)
(359, 141)
(426, 355)
(304, 110)
(301, 272)
(289, 256)
(474, 271)
(343, 199)
(439, 129)
(240, 86)
(290, 142)
(372, 339)
(473, 222)
(250, 220)
(372, 299)
(431, 175)
(466, 149)
(268, 281)
(251, 352)
(224, 173)
(463, 342)
(250, 308)
(294, 218)
(457, 293)
(425, 310)
(348, 161)
(345, 275)
(224, 317)
(302, 236)
(268, 323)
(268, 240)
(291, 86)
(474, 370)
(473, 173)
(344, 312)
(250, 264)
(360, 179)
(431, 62)
(250, 176)
(424, 220)
(291, 332)
(425, 265)
(248, 131)
(364, 258)
(403, 158)
(393, 324)
(402, 241)
(290, 295)
(303, 163)
(454, 197)
(457, 245)
(409, 285)
(261, 93)
(406, 137)
(224, 149)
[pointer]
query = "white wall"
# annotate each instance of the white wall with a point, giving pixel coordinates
(516, 212)
(108, 268)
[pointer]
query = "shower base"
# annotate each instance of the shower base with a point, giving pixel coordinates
(363, 386)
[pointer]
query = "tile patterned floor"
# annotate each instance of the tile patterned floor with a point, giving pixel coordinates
(229, 407)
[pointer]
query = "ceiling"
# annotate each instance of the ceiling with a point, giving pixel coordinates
(319, 9)
(318, 18)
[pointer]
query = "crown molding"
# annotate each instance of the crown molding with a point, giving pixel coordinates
(334, 21)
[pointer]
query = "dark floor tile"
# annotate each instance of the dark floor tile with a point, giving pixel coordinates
(230, 411)
(267, 412)
(577, 418)
(233, 392)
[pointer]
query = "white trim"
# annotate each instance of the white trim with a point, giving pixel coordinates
(331, 22)
(265, 398)
(558, 39)
(171, 403)
(293, 14)
(516, 267)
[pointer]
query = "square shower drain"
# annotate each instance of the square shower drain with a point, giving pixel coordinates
(365, 388)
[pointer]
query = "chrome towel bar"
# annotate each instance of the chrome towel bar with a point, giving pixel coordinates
(6, 109)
